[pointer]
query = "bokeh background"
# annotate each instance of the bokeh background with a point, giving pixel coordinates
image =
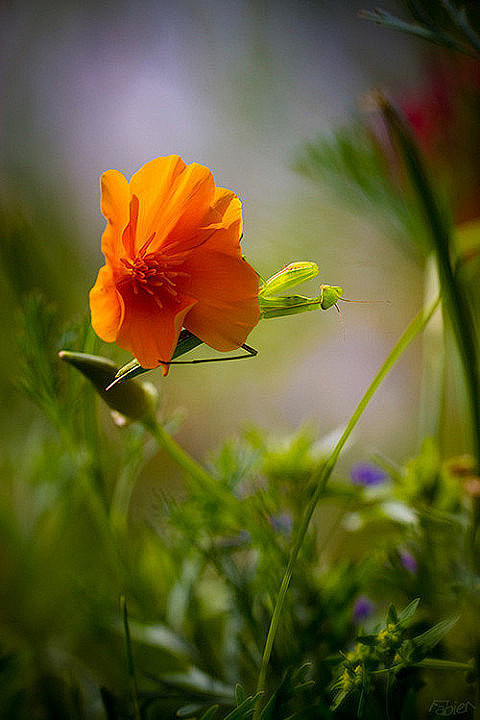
(238, 86)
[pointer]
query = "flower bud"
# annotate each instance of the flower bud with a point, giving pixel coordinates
(134, 400)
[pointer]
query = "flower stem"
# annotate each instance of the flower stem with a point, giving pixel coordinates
(176, 452)
(415, 327)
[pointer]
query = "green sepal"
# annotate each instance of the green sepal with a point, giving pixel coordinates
(135, 401)
(424, 643)
(187, 341)
(407, 613)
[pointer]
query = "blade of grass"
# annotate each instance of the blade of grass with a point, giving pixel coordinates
(415, 327)
(454, 297)
(129, 654)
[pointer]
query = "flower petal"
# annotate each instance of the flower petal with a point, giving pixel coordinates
(174, 198)
(226, 289)
(225, 213)
(229, 208)
(115, 208)
(106, 306)
(149, 332)
(152, 184)
(192, 196)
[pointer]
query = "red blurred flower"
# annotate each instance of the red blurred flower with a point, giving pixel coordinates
(173, 260)
(444, 116)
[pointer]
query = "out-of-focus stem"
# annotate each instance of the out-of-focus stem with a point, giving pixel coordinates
(190, 466)
(432, 394)
(453, 294)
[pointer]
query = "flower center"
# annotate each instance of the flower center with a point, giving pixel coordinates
(154, 273)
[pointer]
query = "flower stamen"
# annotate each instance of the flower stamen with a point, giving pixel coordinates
(151, 273)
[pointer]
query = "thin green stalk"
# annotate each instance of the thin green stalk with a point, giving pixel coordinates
(415, 327)
(176, 452)
(129, 654)
(433, 382)
(454, 297)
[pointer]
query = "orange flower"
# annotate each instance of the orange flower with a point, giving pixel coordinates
(173, 260)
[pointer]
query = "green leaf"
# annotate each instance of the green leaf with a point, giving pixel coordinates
(370, 640)
(361, 703)
(432, 34)
(407, 613)
(454, 295)
(351, 164)
(300, 675)
(425, 642)
(210, 713)
(161, 637)
(240, 694)
(339, 698)
(194, 680)
(267, 712)
(245, 710)
(187, 711)
(392, 616)
(187, 341)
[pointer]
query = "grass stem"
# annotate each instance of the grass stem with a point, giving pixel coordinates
(415, 327)
(454, 296)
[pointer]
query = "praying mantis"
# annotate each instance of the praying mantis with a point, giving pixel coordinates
(272, 305)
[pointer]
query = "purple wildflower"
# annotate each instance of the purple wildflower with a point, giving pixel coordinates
(362, 609)
(367, 475)
(281, 523)
(408, 561)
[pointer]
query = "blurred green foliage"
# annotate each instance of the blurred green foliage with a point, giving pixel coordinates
(200, 566)
(453, 24)
(357, 168)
